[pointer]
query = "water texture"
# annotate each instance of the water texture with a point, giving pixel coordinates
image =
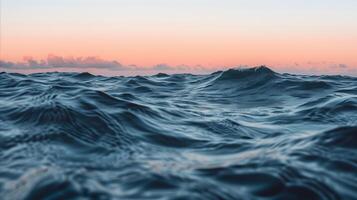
(235, 134)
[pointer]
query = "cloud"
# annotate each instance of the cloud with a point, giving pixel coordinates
(182, 67)
(162, 67)
(317, 68)
(53, 61)
(6, 65)
(94, 65)
(343, 66)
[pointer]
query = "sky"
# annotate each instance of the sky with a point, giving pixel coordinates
(112, 36)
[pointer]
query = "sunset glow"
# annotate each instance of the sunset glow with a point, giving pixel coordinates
(300, 36)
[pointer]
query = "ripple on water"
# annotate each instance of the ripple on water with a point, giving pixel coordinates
(235, 134)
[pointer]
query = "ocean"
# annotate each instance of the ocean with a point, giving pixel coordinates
(235, 134)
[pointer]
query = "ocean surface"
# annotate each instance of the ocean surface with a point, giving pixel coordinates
(236, 134)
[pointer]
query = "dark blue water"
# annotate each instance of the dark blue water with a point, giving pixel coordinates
(236, 134)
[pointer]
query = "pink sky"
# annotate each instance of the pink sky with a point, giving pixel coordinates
(301, 37)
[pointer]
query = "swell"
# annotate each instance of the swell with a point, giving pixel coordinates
(235, 134)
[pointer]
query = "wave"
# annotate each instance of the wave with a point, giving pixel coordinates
(235, 134)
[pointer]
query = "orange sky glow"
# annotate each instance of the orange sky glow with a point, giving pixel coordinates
(307, 38)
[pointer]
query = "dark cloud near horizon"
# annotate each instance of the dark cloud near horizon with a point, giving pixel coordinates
(343, 66)
(60, 62)
(6, 65)
(54, 62)
(162, 67)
